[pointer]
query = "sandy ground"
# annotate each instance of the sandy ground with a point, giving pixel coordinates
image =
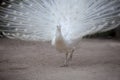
(94, 60)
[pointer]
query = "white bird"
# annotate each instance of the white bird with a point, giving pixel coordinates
(63, 22)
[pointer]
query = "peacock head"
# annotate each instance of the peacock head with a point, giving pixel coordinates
(59, 28)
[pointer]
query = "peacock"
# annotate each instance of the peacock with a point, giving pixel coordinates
(62, 22)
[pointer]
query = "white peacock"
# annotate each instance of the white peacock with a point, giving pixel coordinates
(63, 22)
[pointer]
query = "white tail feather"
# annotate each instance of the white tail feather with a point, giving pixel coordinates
(37, 19)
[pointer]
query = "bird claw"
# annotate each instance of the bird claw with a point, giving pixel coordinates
(65, 65)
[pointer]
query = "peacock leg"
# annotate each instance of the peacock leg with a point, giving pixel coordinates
(68, 57)
(66, 60)
(71, 54)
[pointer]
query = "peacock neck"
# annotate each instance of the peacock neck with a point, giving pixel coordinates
(58, 33)
(58, 36)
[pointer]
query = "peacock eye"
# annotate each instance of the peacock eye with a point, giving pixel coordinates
(20, 13)
(11, 0)
(113, 22)
(9, 6)
(16, 29)
(14, 11)
(119, 14)
(21, 5)
(3, 3)
(27, 13)
(31, 5)
(8, 24)
(20, 23)
(14, 18)
(6, 16)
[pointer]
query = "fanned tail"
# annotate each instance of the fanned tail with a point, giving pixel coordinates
(37, 19)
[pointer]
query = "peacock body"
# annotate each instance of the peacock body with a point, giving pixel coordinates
(63, 22)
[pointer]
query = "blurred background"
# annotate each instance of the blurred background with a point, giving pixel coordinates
(113, 34)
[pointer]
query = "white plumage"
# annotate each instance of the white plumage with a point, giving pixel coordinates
(63, 22)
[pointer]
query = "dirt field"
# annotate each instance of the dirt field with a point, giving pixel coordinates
(94, 60)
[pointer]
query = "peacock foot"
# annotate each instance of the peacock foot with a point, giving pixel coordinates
(64, 65)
